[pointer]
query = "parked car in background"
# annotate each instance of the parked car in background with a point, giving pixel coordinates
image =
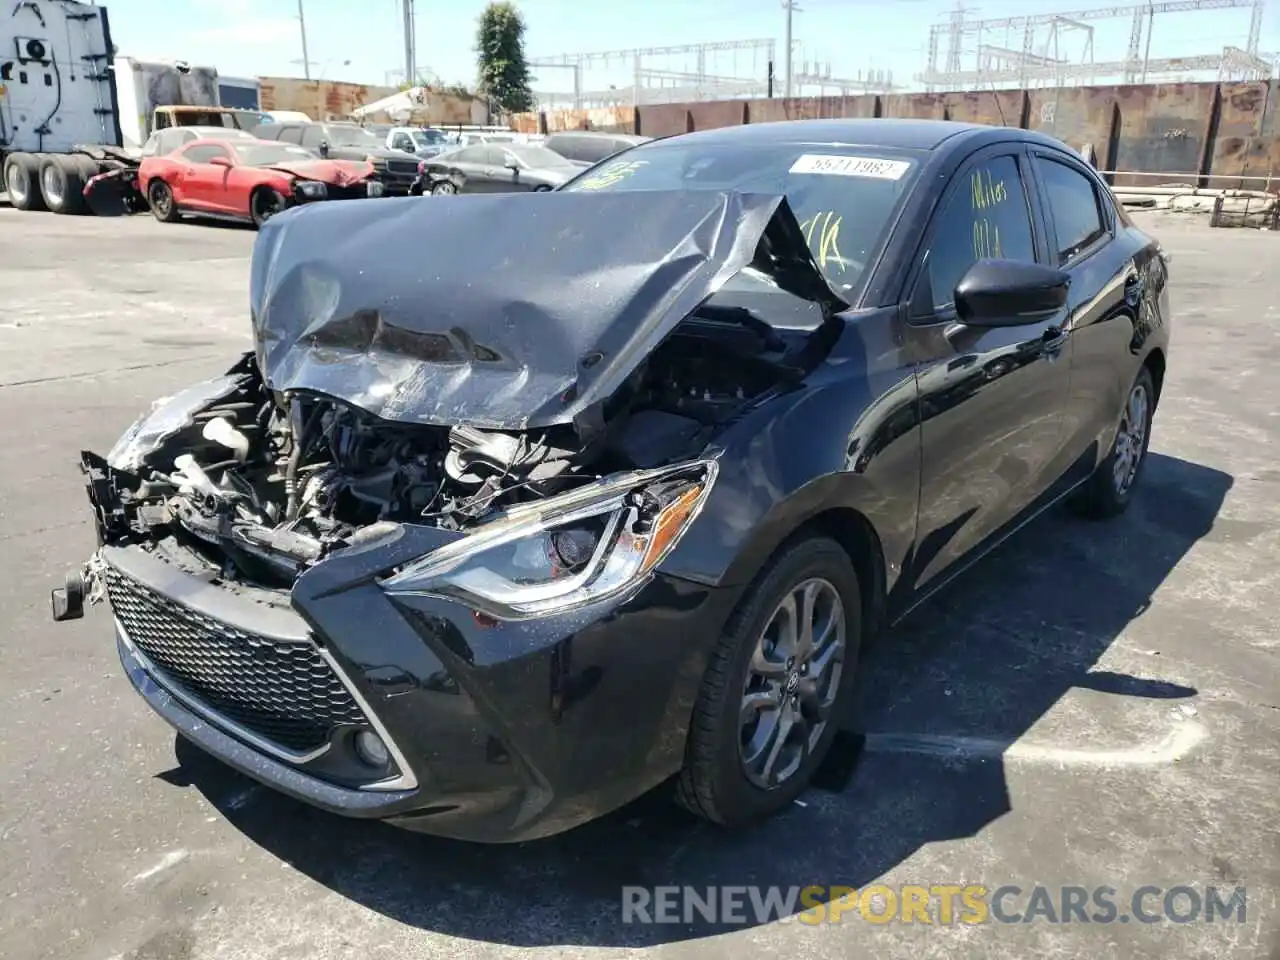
(493, 168)
(348, 141)
(585, 147)
(420, 141)
(167, 141)
(250, 180)
(471, 139)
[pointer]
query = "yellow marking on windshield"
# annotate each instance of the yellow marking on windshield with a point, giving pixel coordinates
(611, 174)
(986, 192)
(826, 226)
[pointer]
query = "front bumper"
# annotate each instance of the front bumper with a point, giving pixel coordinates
(499, 731)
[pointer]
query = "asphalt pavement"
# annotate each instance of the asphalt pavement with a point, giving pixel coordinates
(1094, 705)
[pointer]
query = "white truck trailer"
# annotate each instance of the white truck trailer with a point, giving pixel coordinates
(71, 110)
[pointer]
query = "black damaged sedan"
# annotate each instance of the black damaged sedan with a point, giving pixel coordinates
(487, 542)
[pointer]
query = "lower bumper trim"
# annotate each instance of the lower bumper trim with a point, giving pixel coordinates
(252, 763)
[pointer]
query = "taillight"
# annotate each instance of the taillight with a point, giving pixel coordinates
(422, 167)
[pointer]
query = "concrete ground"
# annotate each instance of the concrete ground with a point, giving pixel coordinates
(1094, 705)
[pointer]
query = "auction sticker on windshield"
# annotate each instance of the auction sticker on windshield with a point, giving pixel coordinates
(839, 166)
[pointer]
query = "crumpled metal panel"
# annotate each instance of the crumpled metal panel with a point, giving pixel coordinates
(507, 312)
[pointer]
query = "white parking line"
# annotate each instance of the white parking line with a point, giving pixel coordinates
(1177, 744)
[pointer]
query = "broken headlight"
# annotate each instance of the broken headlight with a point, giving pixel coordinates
(310, 189)
(593, 543)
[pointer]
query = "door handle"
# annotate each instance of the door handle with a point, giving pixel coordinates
(1053, 340)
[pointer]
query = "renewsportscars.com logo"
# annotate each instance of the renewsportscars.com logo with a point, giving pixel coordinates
(936, 904)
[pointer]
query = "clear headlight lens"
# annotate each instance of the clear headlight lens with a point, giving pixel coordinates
(592, 543)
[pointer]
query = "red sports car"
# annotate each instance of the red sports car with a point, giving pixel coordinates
(247, 180)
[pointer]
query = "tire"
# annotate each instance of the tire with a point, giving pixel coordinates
(443, 188)
(62, 185)
(716, 782)
(1107, 493)
(160, 197)
(22, 181)
(265, 203)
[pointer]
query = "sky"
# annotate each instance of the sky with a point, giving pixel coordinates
(363, 41)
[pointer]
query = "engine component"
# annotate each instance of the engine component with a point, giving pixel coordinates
(219, 430)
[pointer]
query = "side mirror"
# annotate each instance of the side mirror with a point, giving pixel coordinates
(220, 162)
(324, 148)
(1009, 293)
(513, 167)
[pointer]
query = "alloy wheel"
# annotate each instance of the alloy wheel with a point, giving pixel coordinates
(1131, 439)
(161, 199)
(792, 681)
(266, 205)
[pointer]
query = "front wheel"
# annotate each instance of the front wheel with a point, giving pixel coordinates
(1107, 493)
(444, 188)
(778, 683)
(163, 206)
(265, 204)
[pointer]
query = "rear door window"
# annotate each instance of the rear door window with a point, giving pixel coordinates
(1078, 221)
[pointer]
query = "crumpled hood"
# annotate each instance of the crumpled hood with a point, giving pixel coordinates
(505, 311)
(336, 172)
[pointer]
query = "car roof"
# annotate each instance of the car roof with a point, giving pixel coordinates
(888, 133)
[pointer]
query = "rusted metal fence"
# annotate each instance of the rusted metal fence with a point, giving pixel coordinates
(1226, 132)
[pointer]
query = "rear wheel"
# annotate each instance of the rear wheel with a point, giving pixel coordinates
(22, 181)
(778, 684)
(1107, 493)
(163, 206)
(265, 204)
(62, 185)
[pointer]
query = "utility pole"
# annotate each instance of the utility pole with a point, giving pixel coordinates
(306, 61)
(410, 47)
(791, 7)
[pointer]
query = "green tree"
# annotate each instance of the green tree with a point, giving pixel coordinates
(504, 71)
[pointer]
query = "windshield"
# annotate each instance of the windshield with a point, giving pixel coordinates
(844, 197)
(267, 154)
(539, 157)
(428, 138)
(353, 137)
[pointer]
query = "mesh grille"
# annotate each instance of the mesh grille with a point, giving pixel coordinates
(283, 692)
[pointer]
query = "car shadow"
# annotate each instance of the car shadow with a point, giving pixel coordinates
(985, 659)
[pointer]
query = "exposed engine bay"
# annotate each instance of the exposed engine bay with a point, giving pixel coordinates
(261, 485)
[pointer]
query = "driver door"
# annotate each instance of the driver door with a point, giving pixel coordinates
(493, 176)
(992, 399)
(201, 181)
